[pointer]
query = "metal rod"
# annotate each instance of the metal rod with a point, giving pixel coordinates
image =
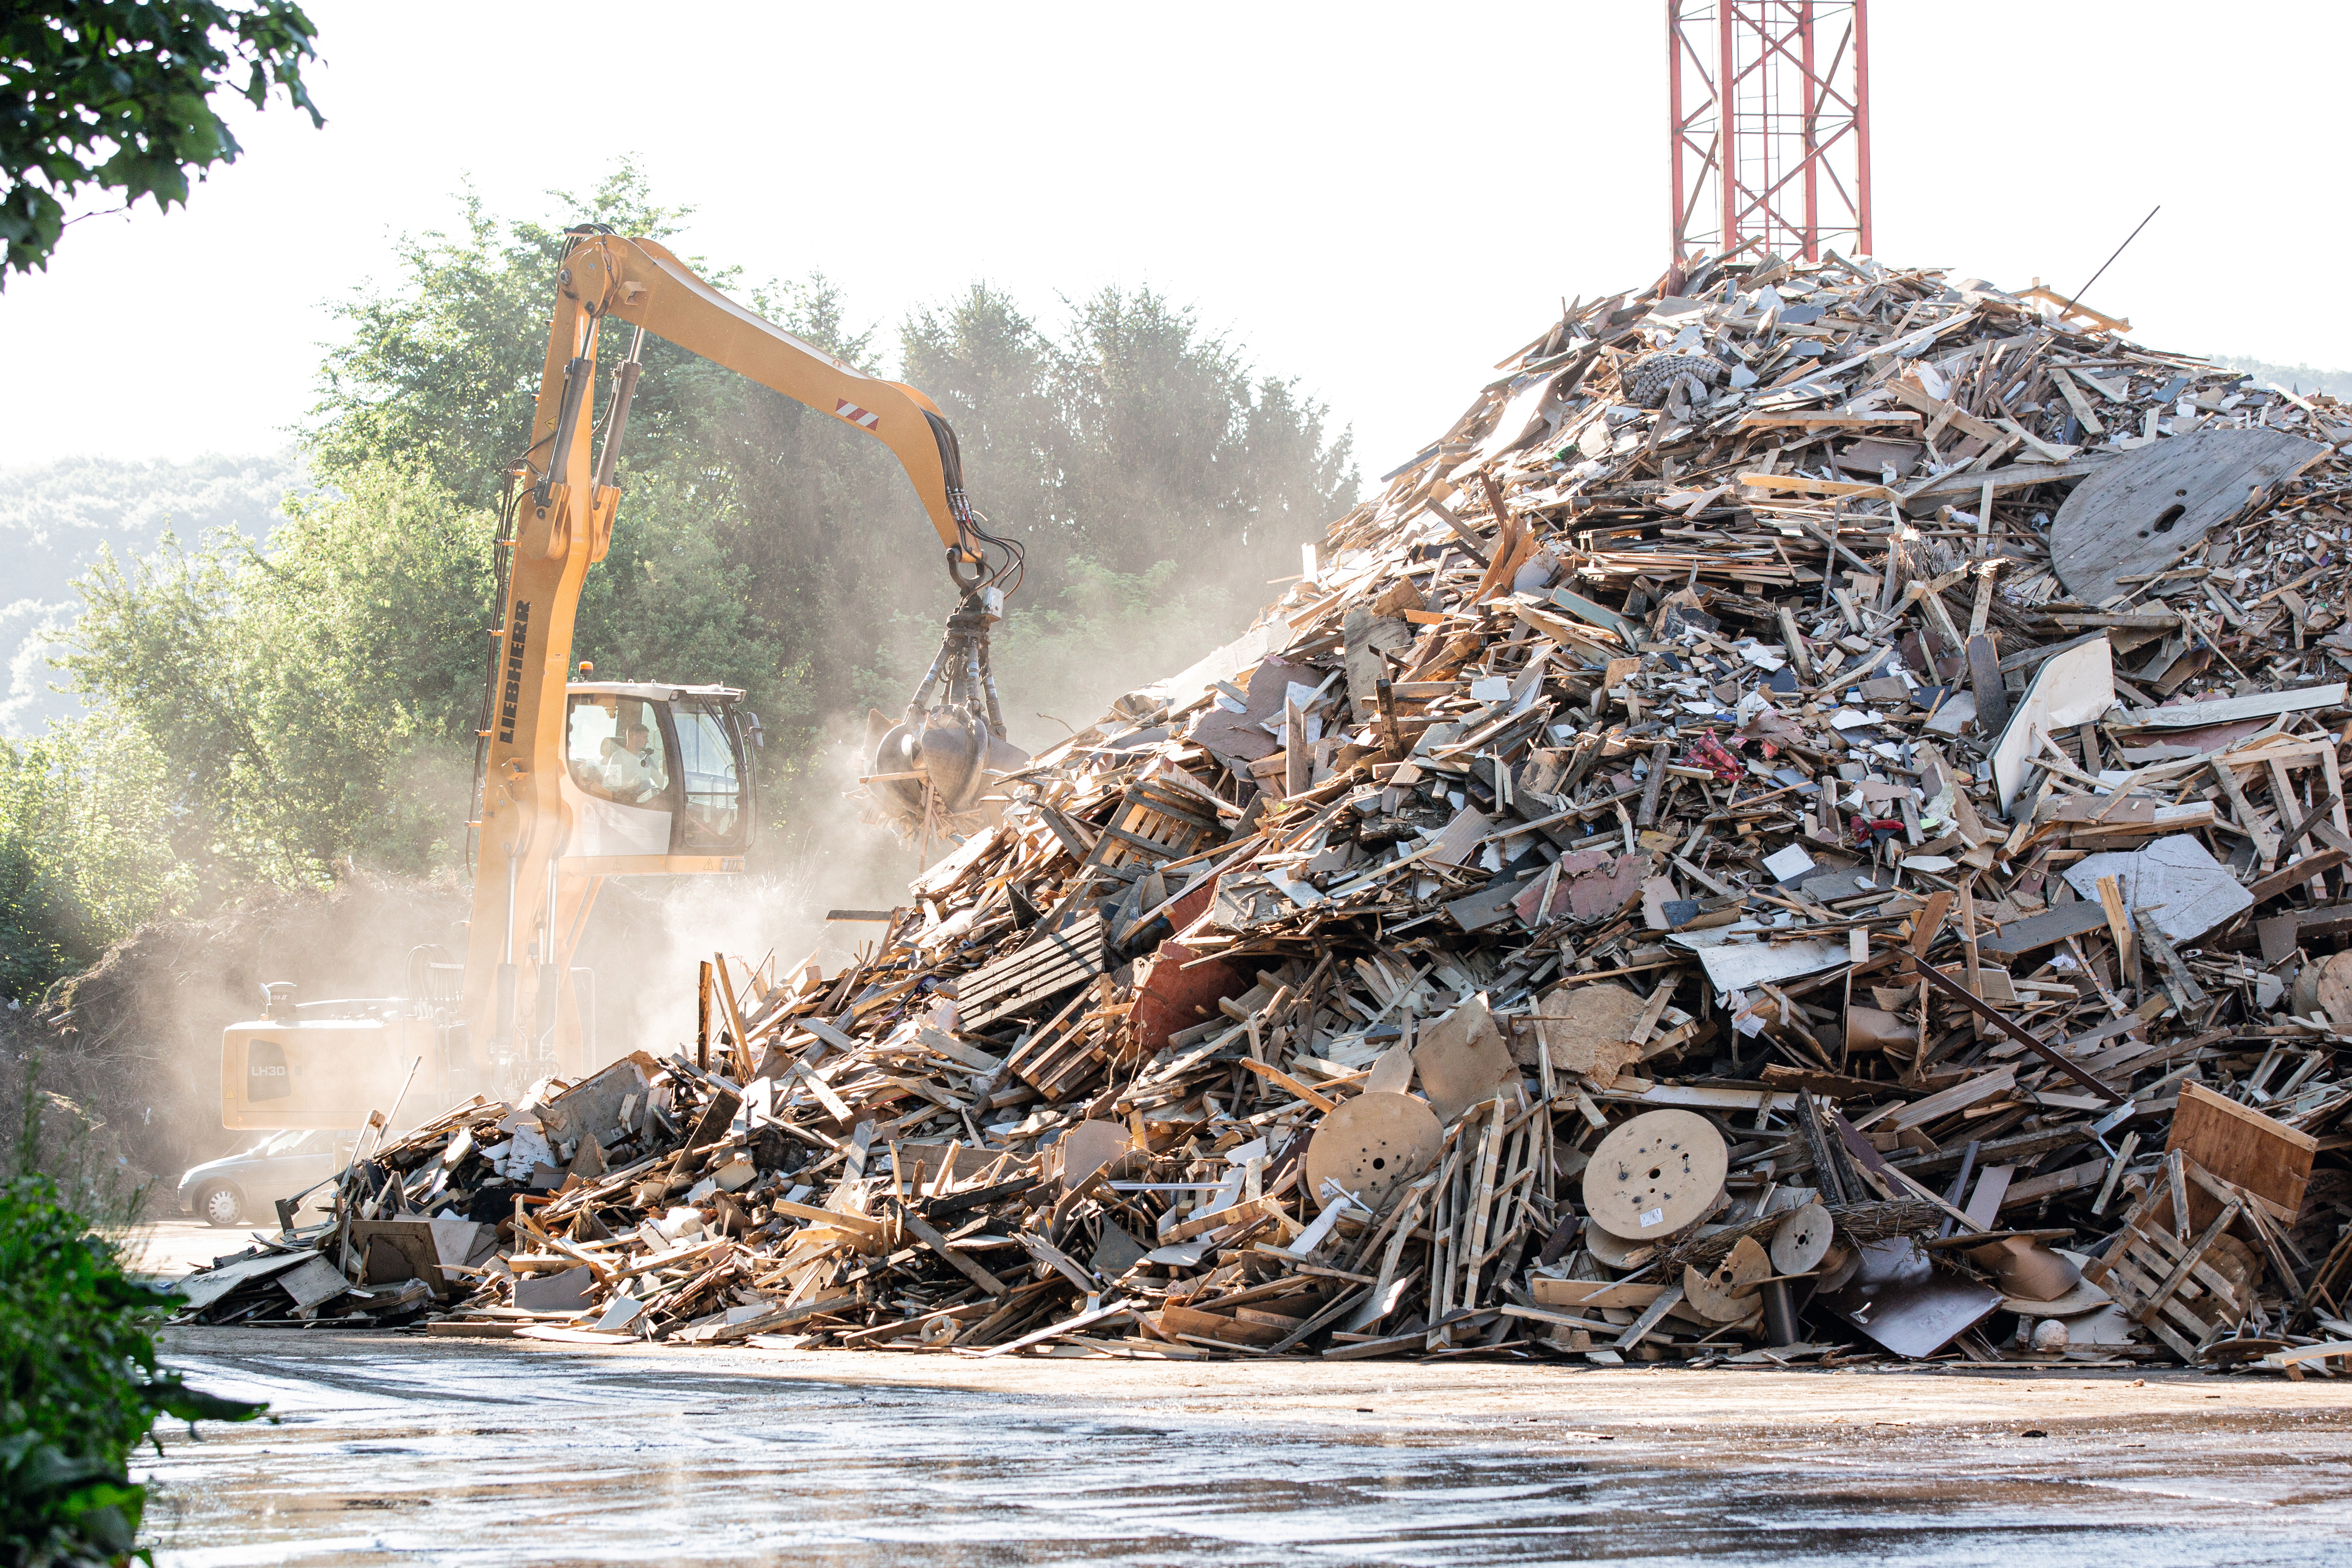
(2000, 1020)
(2110, 261)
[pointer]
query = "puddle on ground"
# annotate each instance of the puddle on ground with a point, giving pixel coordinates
(533, 1460)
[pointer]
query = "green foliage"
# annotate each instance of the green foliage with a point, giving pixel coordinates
(310, 699)
(1169, 450)
(305, 702)
(87, 848)
(116, 94)
(80, 1385)
(1131, 439)
(440, 375)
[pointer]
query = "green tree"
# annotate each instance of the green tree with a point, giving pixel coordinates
(89, 847)
(991, 371)
(442, 372)
(116, 94)
(1168, 451)
(315, 696)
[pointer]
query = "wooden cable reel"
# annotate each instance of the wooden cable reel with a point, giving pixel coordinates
(1656, 1175)
(1727, 1293)
(1370, 1146)
(1803, 1240)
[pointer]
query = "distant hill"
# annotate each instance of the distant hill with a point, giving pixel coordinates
(53, 517)
(2300, 378)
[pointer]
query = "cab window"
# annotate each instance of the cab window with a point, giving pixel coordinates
(615, 749)
(712, 771)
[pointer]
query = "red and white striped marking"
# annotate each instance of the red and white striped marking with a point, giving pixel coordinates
(862, 418)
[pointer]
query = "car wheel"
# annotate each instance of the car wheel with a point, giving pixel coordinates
(220, 1205)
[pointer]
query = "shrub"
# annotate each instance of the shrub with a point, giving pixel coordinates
(80, 1386)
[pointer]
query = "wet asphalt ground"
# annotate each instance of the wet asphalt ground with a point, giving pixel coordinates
(393, 1450)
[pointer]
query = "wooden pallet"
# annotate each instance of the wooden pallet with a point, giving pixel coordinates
(2162, 1276)
(1154, 823)
(2276, 761)
(1048, 967)
(1065, 1051)
(2328, 1287)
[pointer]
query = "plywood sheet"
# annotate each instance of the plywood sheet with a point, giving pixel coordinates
(2240, 1144)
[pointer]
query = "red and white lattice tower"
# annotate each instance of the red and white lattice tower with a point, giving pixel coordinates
(1770, 105)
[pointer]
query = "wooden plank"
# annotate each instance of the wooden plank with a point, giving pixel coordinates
(1825, 421)
(2014, 941)
(2074, 1178)
(2229, 709)
(1959, 1097)
(962, 1262)
(1593, 1294)
(2240, 1144)
(1966, 484)
(2308, 868)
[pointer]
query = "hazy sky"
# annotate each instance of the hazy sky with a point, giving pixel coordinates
(1380, 201)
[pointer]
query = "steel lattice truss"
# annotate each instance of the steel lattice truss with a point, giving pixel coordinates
(1769, 102)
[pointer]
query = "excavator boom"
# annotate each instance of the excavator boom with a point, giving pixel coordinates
(580, 781)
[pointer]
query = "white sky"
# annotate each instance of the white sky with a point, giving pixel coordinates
(1379, 200)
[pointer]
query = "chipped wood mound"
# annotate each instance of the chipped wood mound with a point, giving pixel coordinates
(1779, 851)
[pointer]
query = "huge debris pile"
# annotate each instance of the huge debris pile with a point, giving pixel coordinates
(1809, 824)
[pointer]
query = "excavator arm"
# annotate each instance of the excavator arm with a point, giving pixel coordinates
(552, 823)
(639, 282)
(532, 885)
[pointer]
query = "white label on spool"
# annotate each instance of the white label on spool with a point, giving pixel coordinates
(1652, 1217)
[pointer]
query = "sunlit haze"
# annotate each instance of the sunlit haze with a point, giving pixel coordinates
(1380, 201)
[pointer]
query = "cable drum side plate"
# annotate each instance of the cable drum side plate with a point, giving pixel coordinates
(1371, 1145)
(1656, 1175)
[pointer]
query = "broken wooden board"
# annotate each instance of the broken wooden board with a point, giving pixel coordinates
(2242, 1145)
(2150, 507)
(2019, 938)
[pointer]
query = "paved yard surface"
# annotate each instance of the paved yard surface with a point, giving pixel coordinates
(393, 1448)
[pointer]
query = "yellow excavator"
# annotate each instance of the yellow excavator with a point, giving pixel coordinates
(578, 779)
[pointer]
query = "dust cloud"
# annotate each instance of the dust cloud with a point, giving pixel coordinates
(1061, 661)
(649, 934)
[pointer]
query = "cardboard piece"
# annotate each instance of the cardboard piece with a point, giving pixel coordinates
(1588, 1029)
(1462, 1059)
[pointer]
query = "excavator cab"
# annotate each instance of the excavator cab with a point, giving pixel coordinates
(658, 772)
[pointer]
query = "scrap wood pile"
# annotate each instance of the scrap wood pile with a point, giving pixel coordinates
(1808, 825)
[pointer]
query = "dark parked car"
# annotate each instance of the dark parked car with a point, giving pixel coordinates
(244, 1186)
